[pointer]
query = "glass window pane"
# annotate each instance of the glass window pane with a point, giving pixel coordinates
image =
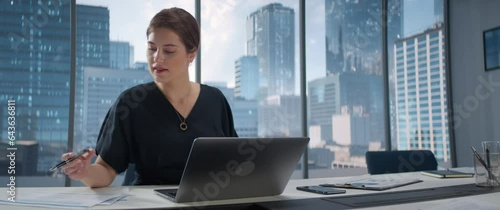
(344, 84)
(35, 72)
(111, 57)
(250, 52)
(422, 21)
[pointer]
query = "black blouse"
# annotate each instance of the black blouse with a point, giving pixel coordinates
(142, 127)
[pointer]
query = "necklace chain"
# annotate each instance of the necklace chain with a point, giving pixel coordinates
(183, 126)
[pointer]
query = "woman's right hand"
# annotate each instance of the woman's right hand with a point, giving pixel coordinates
(78, 168)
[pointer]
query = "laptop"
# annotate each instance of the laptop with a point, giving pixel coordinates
(230, 167)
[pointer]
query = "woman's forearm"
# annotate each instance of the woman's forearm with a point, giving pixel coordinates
(99, 176)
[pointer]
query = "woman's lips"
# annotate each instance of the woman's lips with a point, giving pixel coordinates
(159, 70)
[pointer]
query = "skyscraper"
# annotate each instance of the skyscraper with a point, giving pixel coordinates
(352, 127)
(35, 69)
(92, 36)
(421, 106)
(245, 117)
(246, 78)
(270, 37)
(120, 55)
(395, 31)
(334, 41)
(438, 11)
(353, 36)
(324, 102)
(92, 50)
(101, 88)
(327, 95)
(280, 116)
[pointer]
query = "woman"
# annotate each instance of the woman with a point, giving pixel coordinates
(153, 125)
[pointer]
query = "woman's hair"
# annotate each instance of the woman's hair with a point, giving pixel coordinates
(181, 22)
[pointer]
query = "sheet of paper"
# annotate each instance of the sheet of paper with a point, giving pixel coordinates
(114, 200)
(67, 198)
(381, 182)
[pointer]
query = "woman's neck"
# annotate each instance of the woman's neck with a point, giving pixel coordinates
(176, 92)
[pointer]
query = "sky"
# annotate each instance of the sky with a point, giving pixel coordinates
(223, 30)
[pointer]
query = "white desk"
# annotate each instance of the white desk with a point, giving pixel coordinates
(144, 197)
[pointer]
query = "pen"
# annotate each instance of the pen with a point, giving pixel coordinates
(488, 156)
(478, 157)
(64, 162)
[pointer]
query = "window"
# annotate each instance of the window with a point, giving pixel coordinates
(491, 41)
(433, 35)
(250, 52)
(35, 69)
(346, 41)
(254, 64)
(262, 37)
(428, 30)
(110, 58)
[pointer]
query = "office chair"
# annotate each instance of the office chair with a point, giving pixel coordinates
(382, 162)
(129, 175)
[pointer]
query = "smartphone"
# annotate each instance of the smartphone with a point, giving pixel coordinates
(321, 190)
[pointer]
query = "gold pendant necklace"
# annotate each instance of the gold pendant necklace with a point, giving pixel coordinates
(183, 124)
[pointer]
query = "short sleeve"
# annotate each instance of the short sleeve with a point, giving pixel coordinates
(114, 138)
(228, 120)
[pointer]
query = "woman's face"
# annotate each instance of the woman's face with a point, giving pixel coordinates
(168, 58)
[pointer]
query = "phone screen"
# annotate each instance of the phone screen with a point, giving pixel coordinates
(321, 190)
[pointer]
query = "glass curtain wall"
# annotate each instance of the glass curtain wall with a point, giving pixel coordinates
(250, 52)
(34, 89)
(344, 85)
(111, 57)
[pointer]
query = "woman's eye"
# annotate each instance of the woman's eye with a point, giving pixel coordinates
(152, 49)
(168, 52)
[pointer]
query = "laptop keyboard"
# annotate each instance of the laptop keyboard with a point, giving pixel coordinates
(171, 192)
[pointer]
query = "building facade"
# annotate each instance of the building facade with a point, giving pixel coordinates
(271, 37)
(323, 103)
(421, 105)
(121, 55)
(101, 88)
(35, 72)
(245, 115)
(246, 78)
(92, 50)
(348, 89)
(280, 116)
(353, 38)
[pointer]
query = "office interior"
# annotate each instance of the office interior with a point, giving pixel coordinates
(342, 73)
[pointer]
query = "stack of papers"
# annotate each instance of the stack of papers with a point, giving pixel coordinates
(63, 198)
(447, 174)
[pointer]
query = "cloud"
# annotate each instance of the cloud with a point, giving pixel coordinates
(221, 29)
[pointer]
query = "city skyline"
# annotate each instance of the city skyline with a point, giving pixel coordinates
(223, 21)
